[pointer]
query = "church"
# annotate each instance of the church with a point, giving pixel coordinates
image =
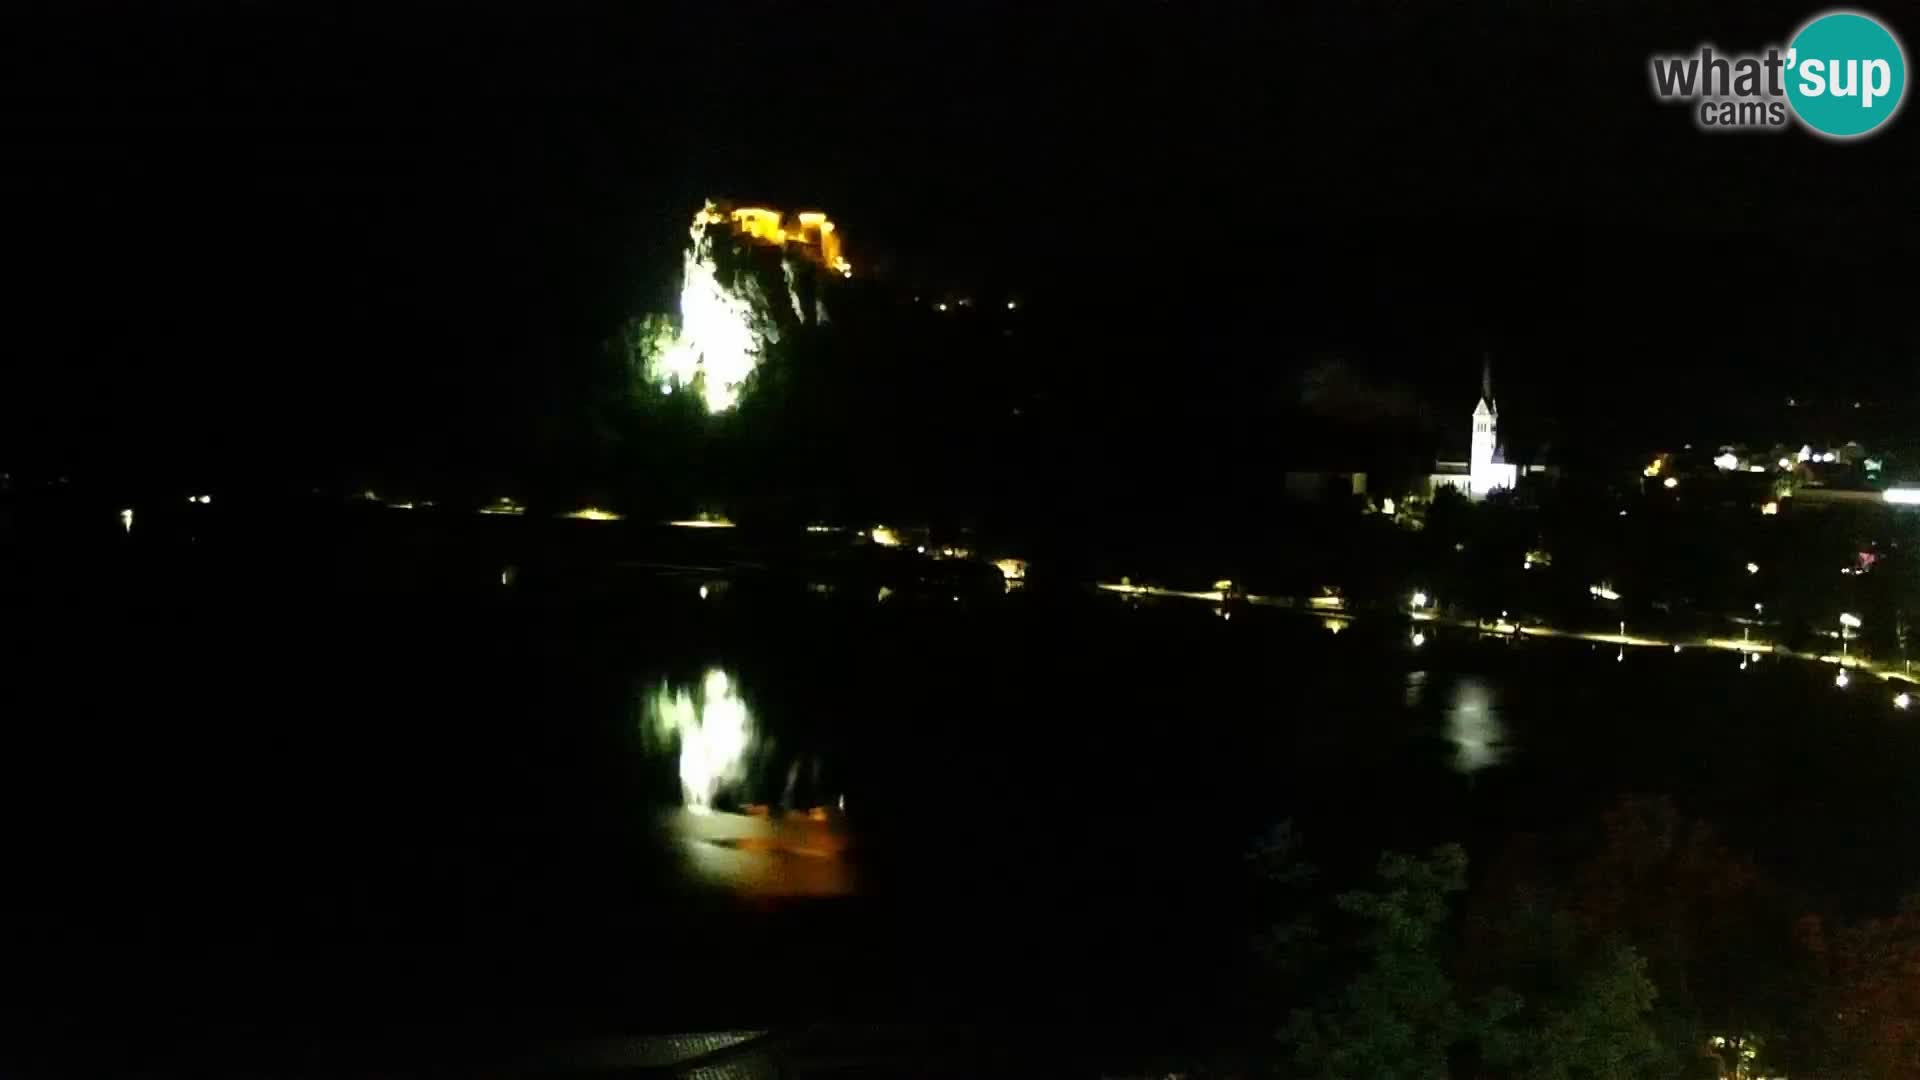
(1486, 469)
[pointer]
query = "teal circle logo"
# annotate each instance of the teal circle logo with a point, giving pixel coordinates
(1845, 74)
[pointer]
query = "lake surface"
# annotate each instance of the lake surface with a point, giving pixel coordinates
(244, 797)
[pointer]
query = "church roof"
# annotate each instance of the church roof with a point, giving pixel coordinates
(1486, 408)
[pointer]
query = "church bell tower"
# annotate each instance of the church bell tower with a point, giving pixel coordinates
(1486, 419)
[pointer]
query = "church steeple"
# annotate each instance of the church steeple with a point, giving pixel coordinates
(1486, 419)
(1487, 469)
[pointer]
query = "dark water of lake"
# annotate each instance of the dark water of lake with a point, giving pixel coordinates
(253, 811)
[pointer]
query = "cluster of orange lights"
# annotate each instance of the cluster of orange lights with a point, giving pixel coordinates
(815, 233)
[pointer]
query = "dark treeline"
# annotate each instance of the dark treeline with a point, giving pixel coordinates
(1635, 945)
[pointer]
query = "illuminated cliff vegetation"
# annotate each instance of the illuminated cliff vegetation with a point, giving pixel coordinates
(748, 285)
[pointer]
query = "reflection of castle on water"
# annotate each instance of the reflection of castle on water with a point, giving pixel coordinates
(714, 732)
(793, 855)
(764, 851)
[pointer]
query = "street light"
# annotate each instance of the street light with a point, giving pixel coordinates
(1419, 599)
(1753, 568)
(1847, 622)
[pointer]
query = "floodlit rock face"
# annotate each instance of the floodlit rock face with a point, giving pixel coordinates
(746, 280)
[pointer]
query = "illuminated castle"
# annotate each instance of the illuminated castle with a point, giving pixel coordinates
(811, 236)
(730, 312)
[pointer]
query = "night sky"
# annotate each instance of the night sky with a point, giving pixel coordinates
(295, 232)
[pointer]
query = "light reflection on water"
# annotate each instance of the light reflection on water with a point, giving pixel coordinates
(767, 856)
(1416, 688)
(1474, 727)
(715, 733)
(767, 851)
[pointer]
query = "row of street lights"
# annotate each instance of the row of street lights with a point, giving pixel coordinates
(1850, 622)
(1847, 622)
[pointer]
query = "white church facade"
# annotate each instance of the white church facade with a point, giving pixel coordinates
(1486, 469)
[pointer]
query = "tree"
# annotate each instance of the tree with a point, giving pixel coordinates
(1655, 903)
(1866, 1013)
(1289, 941)
(1397, 1016)
(1533, 996)
(1567, 1004)
(1593, 1025)
(641, 342)
(1714, 932)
